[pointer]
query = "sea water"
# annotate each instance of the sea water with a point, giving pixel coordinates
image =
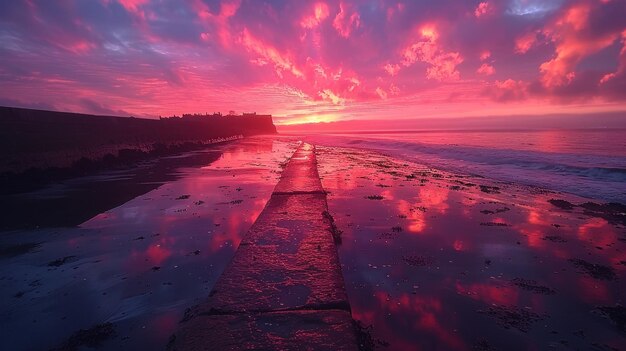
(588, 163)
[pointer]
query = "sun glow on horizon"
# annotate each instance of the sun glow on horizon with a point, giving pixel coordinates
(309, 119)
(313, 61)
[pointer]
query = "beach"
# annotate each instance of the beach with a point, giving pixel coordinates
(127, 274)
(431, 258)
(335, 175)
(438, 260)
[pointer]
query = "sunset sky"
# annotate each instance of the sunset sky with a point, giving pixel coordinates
(314, 61)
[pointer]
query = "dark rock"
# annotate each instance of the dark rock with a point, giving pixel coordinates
(596, 271)
(494, 224)
(489, 189)
(92, 338)
(418, 261)
(562, 204)
(61, 261)
(532, 286)
(513, 317)
(555, 238)
(617, 314)
(612, 212)
(16, 250)
(482, 345)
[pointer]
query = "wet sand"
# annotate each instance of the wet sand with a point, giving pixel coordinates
(75, 200)
(441, 261)
(126, 276)
(430, 259)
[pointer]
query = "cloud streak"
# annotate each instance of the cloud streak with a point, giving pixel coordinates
(340, 58)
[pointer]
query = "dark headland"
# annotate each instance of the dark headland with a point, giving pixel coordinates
(41, 148)
(59, 143)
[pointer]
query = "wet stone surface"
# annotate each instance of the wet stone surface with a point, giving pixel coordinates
(287, 259)
(287, 330)
(284, 288)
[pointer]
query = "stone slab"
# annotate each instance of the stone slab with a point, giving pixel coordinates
(300, 174)
(288, 260)
(294, 330)
(283, 289)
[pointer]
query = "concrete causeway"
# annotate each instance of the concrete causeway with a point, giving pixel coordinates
(284, 289)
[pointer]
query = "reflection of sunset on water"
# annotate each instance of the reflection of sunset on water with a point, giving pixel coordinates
(416, 217)
(479, 251)
(319, 175)
(429, 310)
(490, 294)
(148, 258)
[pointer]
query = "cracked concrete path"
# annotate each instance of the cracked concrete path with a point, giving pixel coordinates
(284, 289)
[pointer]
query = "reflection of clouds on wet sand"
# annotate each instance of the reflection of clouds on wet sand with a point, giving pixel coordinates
(141, 264)
(490, 259)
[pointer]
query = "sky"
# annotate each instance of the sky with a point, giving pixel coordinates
(312, 61)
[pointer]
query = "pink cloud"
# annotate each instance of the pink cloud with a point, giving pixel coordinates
(486, 69)
(395, 9)
(525, 42)
(483, 9)
(381, 93)
(311, 57)
(132, 5)
(220, 29)
(621, 69)
(427, 49)
(571, 35)
(267, 53)
(345, 23)
(229, 8)
(329, 95)
(508, 90)
(320, 13)
(392, 69)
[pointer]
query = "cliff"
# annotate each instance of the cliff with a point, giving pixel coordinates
(42, 139)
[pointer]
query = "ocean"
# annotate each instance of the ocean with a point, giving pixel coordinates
(588, 163)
